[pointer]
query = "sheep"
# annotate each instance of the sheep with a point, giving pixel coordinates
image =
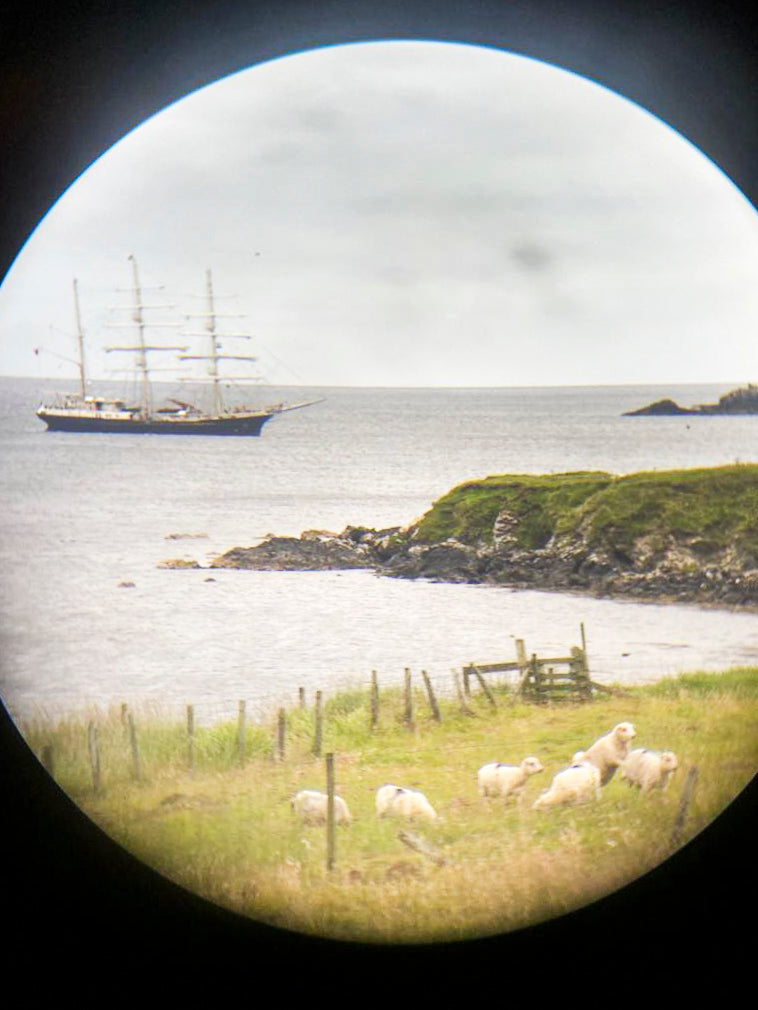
(504, 780)
(579, 783)
(649, 769)
(410, 803)
(610, 750)
(312, 807)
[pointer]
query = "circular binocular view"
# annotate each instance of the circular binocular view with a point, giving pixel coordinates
(453, 631)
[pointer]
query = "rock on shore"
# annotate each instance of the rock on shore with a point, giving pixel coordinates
(666, 570)
(313, 551)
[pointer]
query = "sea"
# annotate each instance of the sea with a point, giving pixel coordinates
(90, 619)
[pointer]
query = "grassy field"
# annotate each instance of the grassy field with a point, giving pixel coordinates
(227, 832)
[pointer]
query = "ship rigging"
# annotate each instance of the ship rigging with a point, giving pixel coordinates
(80, 412)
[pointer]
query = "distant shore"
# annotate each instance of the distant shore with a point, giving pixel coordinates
(738, 401)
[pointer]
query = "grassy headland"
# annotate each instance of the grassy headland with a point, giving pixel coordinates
(716, 505)
(689, 535)
(227, 830)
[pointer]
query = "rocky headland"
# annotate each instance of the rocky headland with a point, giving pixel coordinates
(687, 535)
(739, 401)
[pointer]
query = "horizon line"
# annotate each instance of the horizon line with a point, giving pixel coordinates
(347, 385)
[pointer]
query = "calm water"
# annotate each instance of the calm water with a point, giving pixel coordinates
(84, 513)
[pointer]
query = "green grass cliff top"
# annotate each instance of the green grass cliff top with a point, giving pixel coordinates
(716, 505)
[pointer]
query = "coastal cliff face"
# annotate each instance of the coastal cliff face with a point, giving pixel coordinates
(689, 535)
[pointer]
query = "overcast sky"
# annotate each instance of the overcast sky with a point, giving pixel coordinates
(407, 214)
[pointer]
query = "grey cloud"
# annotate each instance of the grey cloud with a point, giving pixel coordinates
(531, 256)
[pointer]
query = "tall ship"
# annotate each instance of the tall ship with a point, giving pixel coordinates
(85, 412)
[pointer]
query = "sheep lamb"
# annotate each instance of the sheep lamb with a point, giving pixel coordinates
(610, 750)
(497, 779)
(579, 783)
(649, 769)
(312, 806)
(402, 802)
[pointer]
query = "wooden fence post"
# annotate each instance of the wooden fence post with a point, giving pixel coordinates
(302, 697)
(689, 787)
(466, 685)
(281, 728)
(136, 767)
(408, 719)
(461, 696)
(579, 672)
(523, 666)
(480, 678)
(536, 670)
(241, 732)
(374, 701)
(432, 699)
(191, 737)
(318, 731)
(330, 812)
(94, 756)
(422, 846)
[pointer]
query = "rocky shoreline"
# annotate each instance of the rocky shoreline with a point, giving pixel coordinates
(664, 536)
(661, 570)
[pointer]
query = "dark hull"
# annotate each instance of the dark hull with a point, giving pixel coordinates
(243, 425)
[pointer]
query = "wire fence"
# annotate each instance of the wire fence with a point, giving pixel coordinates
(263, 697)
(261, 706)
(269, 723)
(132, 741)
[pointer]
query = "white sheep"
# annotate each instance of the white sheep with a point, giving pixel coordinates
(311, 806)
(497, 779)
(579, 783)
(649, 769)
(610, 750)
(410, 803)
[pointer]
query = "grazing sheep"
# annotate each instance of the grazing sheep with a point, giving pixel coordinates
(410, 803)
(610, 750)
(504, 780)
(649, 769)
(579, 783)
(312, 807)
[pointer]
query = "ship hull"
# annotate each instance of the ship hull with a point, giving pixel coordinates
(243, 424)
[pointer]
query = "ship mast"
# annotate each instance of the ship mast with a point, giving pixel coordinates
(142, 348)
(214, 346)
(80, 341)
(210, 325)
(147, 396)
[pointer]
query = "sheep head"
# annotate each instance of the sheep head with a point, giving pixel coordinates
(531, 765)
(624, 732)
